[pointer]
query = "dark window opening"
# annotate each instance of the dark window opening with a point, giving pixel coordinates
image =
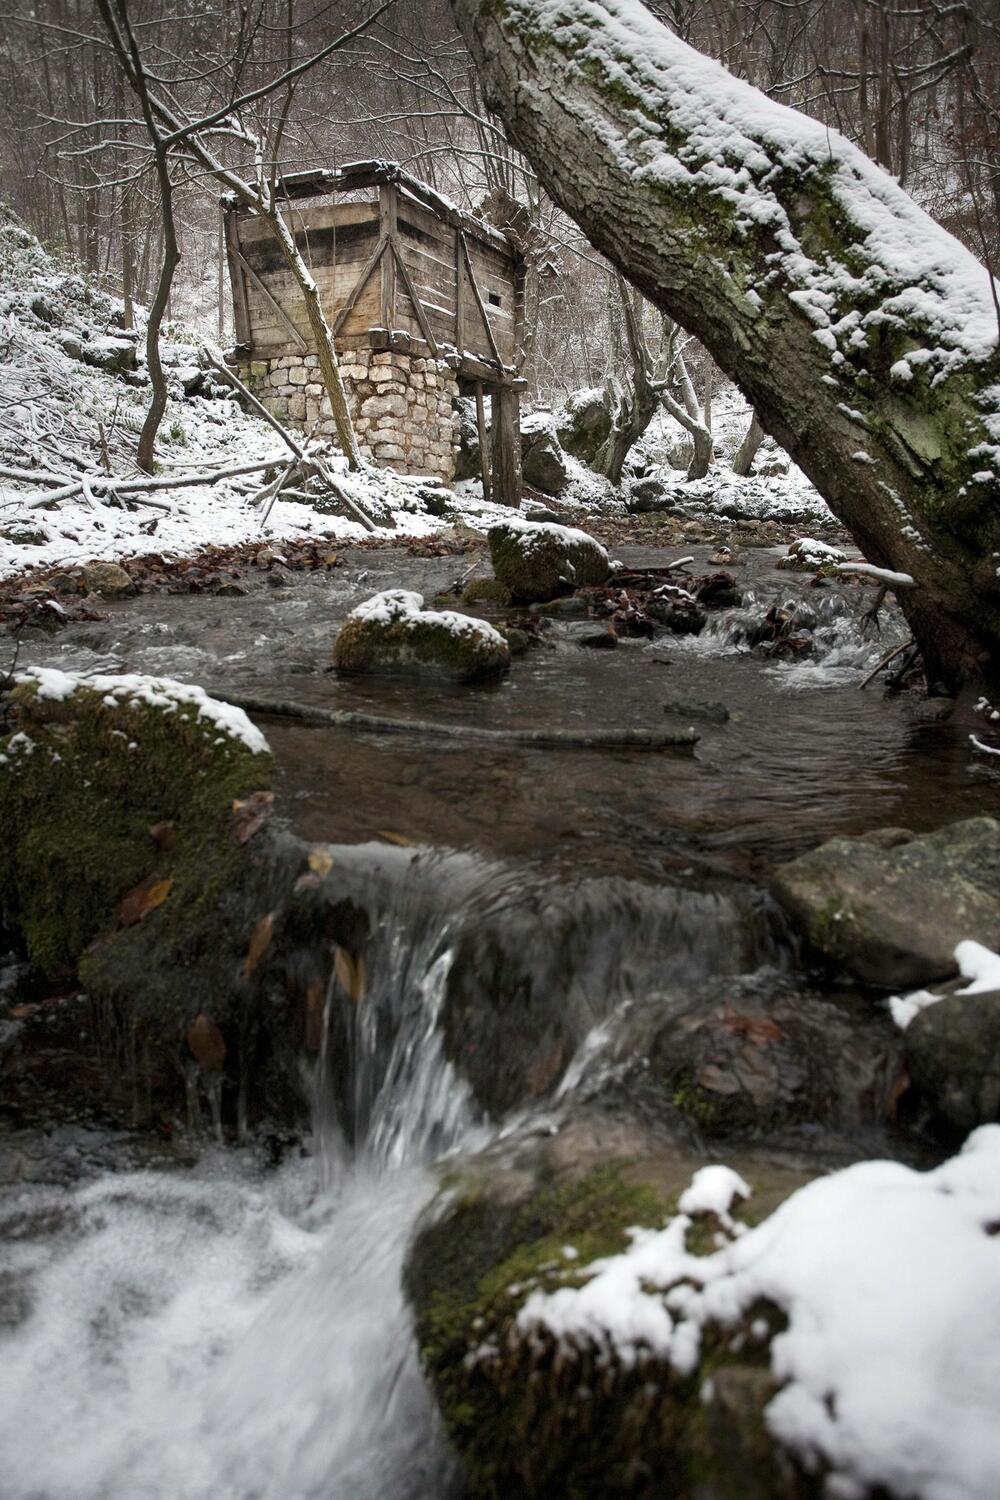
(493, 298)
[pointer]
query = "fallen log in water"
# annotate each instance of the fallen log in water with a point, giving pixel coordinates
(558, 739)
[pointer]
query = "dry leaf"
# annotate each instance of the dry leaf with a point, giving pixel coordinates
(144, 899)
(394, 838)
(164, 835)
(260, 940)
(315, 997)
(22, 1012)
(250, 815)
(320, 862)
(207, 1044)
(351, 974)
(757, 1028)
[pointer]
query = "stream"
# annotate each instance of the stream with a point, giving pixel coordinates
(183, 1323)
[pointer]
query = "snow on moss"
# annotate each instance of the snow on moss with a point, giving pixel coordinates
(154, 692)
(889, 1368)
(537, 533)
(403, 604)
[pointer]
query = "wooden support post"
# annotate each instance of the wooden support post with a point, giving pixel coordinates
(241, 306)
(459, 292)
(484, 451)
(387, 231)
(505, 457)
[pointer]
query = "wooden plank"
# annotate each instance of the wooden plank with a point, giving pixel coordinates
(241, 309)
(370, 265)
(477, 294)
(322, 216)
(484, 451)
(387, 229)
(411, 292)
(459, 292)
(282, 315)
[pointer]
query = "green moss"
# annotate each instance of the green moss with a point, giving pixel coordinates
(537, 1419)
(538, 566)
(411, 644)
(486, 591)
(79, 794)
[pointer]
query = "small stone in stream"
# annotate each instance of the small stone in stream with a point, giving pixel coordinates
(267, 557)
(485, 591)
(108, 579)
(594, 636)
(519, 641)
(709, 713)
(64, 583)
(934, 710)
(718, 591)
(231, 589)
(279, 578)
(571, 608)
(683, 617)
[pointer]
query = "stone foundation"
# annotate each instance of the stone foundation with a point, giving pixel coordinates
(402, 406)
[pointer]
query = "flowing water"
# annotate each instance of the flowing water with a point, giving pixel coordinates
(214, 1326)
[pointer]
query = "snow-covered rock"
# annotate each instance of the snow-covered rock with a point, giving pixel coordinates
(392, 634)
(536, 560)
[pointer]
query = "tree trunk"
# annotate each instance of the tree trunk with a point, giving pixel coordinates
(864, 336)
(747, 451)
(157, 310)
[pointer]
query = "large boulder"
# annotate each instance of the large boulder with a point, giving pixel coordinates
(537, 560)
(543, 463)
(602, 1316)
(392, 634)
(890, 907)
(953, 1055)
(584, 424)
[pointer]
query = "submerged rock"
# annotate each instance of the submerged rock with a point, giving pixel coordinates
(890, 907)
(485, 591)
(392, 633)
(538, 560)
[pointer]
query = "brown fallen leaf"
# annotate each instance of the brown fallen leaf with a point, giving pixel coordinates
(315, 997)
(207, 1044)
(260, 941)
(164, 835)
(251, 814)
(22, 1012)
(352, 975)
(394, 838)
(757, 1028)
(320, 861)
(144, 899)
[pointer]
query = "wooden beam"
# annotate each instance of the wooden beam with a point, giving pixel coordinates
(484, 452)
(368, 270)
(418, 307)
(241, 305)
(459, 292)
(480, 303)
(505, 458)
(270, 297)
(387, 228)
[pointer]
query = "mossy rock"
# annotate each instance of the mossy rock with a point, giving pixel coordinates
(134, 867)
(537, 561)
(392, 634)
(567, 1420)
(486, 591)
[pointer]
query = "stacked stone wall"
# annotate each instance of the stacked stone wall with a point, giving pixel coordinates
(403, 407)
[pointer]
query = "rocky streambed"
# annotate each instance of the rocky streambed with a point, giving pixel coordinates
(283, 1003)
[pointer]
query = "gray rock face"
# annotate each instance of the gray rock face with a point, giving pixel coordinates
(111, 354)
(891, 908)
(953, 1054)
(543, 464)
(584, 424)
(108, 579)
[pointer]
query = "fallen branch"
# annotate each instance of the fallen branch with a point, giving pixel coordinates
(565, 739)
(882, 575)
(99, 485)
(986, 749)
(258, 406)
(890, 656)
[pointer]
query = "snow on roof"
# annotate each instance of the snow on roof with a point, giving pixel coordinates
(154, 692)
(739, 145)
(889, 1368)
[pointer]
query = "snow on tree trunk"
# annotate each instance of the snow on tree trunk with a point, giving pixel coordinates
(864, 335)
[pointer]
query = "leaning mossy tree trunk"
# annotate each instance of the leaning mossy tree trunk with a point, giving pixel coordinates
(865, 336)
